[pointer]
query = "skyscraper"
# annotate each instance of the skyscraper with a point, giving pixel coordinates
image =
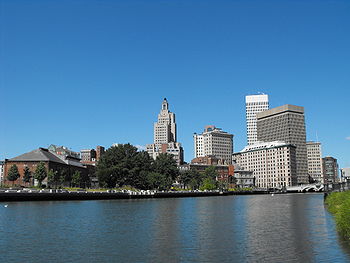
(165, 127)
(286, 123)
(254, 104)
(165, 139)
(314, 161)
(214, 142)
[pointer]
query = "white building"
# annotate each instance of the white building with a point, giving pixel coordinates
(2, 165)
(273, 163)
(254, 104)
(314, 161)
(345, 174)
(165, 138)
(214, 142)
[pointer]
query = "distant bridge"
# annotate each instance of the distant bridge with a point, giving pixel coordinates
(306, 188)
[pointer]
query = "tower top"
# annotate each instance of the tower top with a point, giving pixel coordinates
(165, 105)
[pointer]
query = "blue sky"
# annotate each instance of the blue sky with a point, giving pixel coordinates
(86, 73)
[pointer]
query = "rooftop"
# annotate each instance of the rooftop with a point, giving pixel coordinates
(279, 110)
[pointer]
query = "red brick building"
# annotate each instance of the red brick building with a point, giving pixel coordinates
(51, 161)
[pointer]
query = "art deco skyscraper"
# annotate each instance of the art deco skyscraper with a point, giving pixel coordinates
(254, 104)
(286, 123)
(165, 139)
(165, 127)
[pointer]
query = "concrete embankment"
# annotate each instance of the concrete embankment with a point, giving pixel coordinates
(60, 196)
(46, 196)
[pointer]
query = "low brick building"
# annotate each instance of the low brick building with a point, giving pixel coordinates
(51, 160)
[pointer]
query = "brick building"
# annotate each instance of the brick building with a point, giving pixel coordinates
(51, 160)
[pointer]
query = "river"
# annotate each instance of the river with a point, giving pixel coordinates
(252, 228)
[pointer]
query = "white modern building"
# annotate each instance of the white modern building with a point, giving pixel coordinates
(165, 138)
(273, 163)
(345, 174)
(254, 104)
(314, 161)
(214, 142)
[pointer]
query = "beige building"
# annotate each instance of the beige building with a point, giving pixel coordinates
(314, 161)
(214, 142)
(286, 123)
(165, 138)
(273, 163)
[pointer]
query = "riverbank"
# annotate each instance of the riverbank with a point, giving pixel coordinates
(338, 204)
(58, 195)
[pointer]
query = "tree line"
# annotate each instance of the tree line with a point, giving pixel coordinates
(123, 165)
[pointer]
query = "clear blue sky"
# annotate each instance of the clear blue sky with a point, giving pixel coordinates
(83, 73)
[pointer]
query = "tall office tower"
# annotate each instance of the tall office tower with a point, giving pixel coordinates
(254, 104)
(314, 161)
(165, 127)
(330, 170)
(165, 139)
(214, 142)
(286, 123)
(273, 163)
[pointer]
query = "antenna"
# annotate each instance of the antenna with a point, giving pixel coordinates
(316, 137)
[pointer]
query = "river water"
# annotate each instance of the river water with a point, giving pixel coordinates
(255, 228)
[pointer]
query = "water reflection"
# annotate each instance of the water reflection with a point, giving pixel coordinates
(261, 228)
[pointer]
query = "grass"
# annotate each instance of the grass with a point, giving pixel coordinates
(338, 204)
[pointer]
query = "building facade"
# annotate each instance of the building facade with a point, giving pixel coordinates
(244, 179)
(91, 156)
(63, 151)
(345, 174)
(59, 163)
(214, 142)
(254, 104)
(273, 163)
(2, 163)
(314, 161)
(286, 123)
(165, 137)
(330, 170)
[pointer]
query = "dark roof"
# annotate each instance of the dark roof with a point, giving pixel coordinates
(38, 155)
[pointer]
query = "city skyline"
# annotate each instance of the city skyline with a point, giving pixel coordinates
(82, 81)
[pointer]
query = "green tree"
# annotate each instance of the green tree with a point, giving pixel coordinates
(209, 184)
(209, 181)
(27, 175)
(141, 168)
(123, 165)
(158, 181)
(64, 176)
(76, 179)
(53, 178)
(165, 164)
(13, 174)
(40, 173)
(190, 179)
(211, 172)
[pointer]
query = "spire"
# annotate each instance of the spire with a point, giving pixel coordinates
(165, 105)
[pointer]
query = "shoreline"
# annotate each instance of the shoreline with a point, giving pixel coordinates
(67, 196)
